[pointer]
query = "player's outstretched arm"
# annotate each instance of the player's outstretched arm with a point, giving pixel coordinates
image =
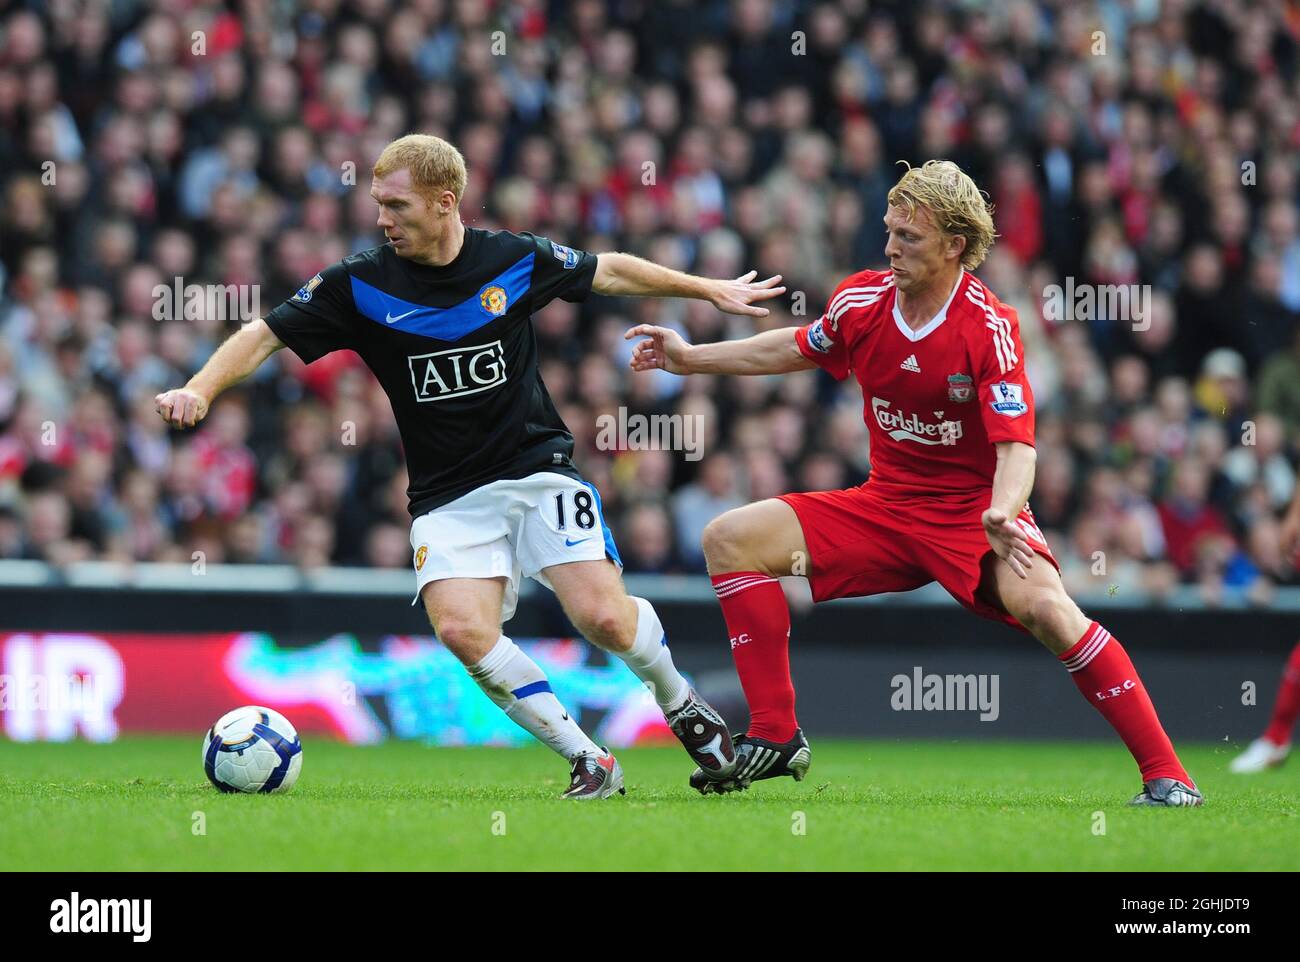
(772, 352)
(1290, 533)
(627, 275)
(238, 357)
(1013, 479)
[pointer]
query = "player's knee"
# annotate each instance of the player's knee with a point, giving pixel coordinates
(464, 635)
(723, 541)
(606, 624)
(1045, 612)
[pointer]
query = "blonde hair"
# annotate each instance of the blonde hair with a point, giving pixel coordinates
(958, 206)
(435, 165)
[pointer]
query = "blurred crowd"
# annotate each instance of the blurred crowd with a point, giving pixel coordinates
(230, 143)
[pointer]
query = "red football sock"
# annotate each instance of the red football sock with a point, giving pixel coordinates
(1287, 709)
(1103, 672)
(758, 621)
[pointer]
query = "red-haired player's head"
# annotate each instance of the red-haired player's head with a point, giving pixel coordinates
(938, 223)
(418, 182)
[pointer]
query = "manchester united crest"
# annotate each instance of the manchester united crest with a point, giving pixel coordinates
(960, 388)
(494, 300)
(421, 553)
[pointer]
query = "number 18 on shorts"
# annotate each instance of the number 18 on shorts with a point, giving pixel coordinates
(512, 528)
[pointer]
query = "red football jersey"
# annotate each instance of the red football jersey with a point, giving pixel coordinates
(936, 399)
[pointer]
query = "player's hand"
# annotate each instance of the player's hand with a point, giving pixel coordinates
(1008, 541)
(1290, 534)
(738, 296)
(663, 349)
(181, 408)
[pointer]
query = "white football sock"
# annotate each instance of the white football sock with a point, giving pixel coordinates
(652, 662)
(519, 688)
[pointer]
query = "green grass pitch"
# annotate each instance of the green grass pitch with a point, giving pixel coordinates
(135, 804)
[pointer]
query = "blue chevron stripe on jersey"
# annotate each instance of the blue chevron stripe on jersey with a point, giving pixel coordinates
(447, 323)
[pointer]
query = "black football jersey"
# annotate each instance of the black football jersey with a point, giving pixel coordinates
(454, 349)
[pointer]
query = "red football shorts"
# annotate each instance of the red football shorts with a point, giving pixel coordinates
(861, 542)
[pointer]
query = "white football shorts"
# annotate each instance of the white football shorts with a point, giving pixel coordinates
(511, 528)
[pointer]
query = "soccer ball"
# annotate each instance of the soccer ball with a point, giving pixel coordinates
(252, 749)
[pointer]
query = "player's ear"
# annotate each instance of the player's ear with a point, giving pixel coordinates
(957, 245)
